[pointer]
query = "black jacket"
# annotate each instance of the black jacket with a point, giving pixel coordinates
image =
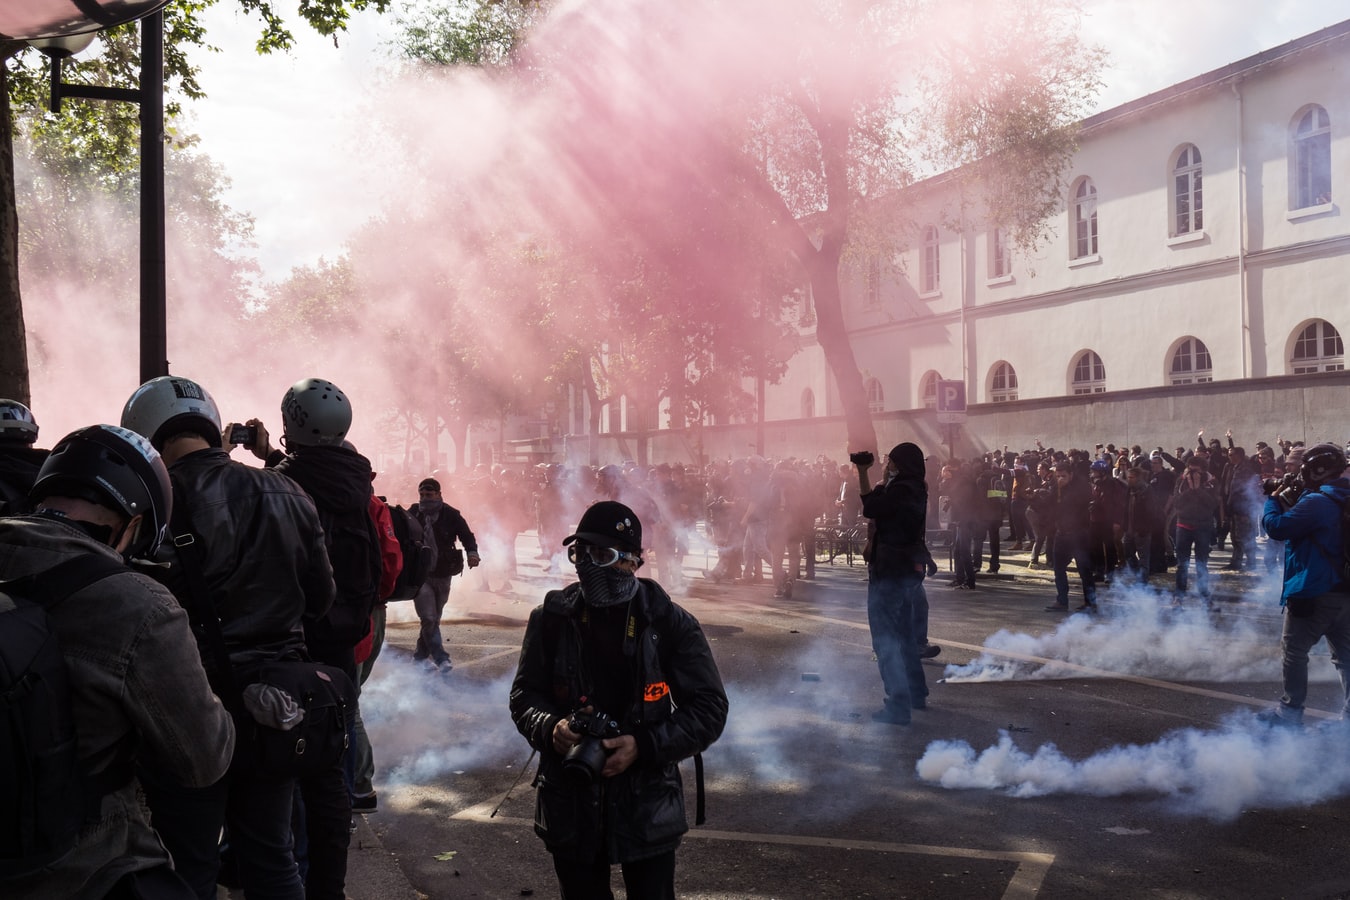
(265, 561)
(677, 708)
(450, 526)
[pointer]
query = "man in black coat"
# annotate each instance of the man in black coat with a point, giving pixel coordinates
(1071, 535)
(616, 684)
(442, 526)
(896, 568)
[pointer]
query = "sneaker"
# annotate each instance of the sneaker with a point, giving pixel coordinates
(1057, 607)
(929, 651)
(444, 666)
(1086, 607)
(365, 804)
(1275, 718)
(886, 717)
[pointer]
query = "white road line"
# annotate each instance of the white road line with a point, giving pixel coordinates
(1025, 883)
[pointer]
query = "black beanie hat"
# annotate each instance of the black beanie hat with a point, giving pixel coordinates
(609, 524)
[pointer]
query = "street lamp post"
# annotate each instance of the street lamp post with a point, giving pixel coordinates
(150, 96)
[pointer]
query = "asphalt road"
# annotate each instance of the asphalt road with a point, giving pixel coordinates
(1163, 787)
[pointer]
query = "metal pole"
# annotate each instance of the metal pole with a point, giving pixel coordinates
(154, 328)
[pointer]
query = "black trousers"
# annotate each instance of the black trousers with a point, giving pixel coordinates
(646, 879)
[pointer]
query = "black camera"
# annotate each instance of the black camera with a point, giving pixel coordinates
(863, 458)
(586, 759)
(1286, 489)
(246, 435)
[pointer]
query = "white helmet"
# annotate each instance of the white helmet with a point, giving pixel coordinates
(167, 405)
(17, 422)
(314, 413)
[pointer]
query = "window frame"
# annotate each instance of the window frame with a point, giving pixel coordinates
(876, 395)
(1187, 192)
(1002, 382)
(1096, 382)
(1084, 237)
(1000, 255)
(1310, 158)
(1192, 351)
(1321, 336)
(930, 262)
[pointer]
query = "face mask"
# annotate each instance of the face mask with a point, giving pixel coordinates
(603, 586)
(429, 506)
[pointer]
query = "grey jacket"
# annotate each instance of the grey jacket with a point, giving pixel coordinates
(138, 692)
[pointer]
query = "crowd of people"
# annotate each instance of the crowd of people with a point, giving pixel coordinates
(263, 588)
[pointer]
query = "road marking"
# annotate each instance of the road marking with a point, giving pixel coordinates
(1026, 881)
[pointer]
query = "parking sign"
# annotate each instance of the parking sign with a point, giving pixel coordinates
(951, 402)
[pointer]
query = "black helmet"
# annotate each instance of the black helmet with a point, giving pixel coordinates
(17, 422)
(1322, 463)
(168, 405)
(116, 468)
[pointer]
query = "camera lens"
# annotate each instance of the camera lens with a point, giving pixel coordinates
(586, 760)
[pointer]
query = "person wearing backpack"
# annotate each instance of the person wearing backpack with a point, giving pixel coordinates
(266, 568)
(316, 417)
(616, 685)
(1311, 520)
(127, 679)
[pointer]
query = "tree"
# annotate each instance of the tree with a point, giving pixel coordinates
(877, 95)
(105, 135)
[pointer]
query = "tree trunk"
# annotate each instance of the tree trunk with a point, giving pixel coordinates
(823, 268)
(13, 336)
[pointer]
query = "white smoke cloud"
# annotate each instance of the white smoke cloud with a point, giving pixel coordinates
(424, 725)
(1216, 774)
(1139, 632)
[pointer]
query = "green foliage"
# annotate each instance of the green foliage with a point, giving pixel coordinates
(469, 32)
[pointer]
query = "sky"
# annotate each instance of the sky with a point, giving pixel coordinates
(287, 128)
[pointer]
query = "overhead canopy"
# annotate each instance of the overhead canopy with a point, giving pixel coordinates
(30, 19)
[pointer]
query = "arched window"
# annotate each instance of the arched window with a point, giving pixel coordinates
(1318, 348)
(1187, 199)
(1003, 383)
(1089, 375)
(808, 404)
(1191, 363)
(876, 401)
(1312, 159)
(1084, 219)
(928, 389)
(930, 276)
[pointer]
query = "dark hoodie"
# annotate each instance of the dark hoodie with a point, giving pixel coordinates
(19, 465)
(900, 505)
(338, 480)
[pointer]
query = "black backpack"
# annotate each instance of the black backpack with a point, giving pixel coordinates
(417, 556)
(44, 798)
(354, 551)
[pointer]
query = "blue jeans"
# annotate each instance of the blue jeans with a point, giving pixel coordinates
(430, 604)
(1073, 547)
(891, 603)
(1330, 619)
(1199, 538)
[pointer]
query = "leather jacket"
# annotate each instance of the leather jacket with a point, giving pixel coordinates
(264, 559)
(677, 708)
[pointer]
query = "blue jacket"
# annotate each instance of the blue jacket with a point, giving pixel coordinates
(1311, 530)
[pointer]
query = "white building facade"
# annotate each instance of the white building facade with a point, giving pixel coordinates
(1200, 241)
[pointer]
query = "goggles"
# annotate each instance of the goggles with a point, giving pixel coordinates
(600, 556)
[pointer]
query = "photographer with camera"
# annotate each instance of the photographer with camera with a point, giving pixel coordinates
(897, 607)
(615, 685)
(1306, 513)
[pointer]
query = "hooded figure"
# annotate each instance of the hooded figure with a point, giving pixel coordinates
(897, 607)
